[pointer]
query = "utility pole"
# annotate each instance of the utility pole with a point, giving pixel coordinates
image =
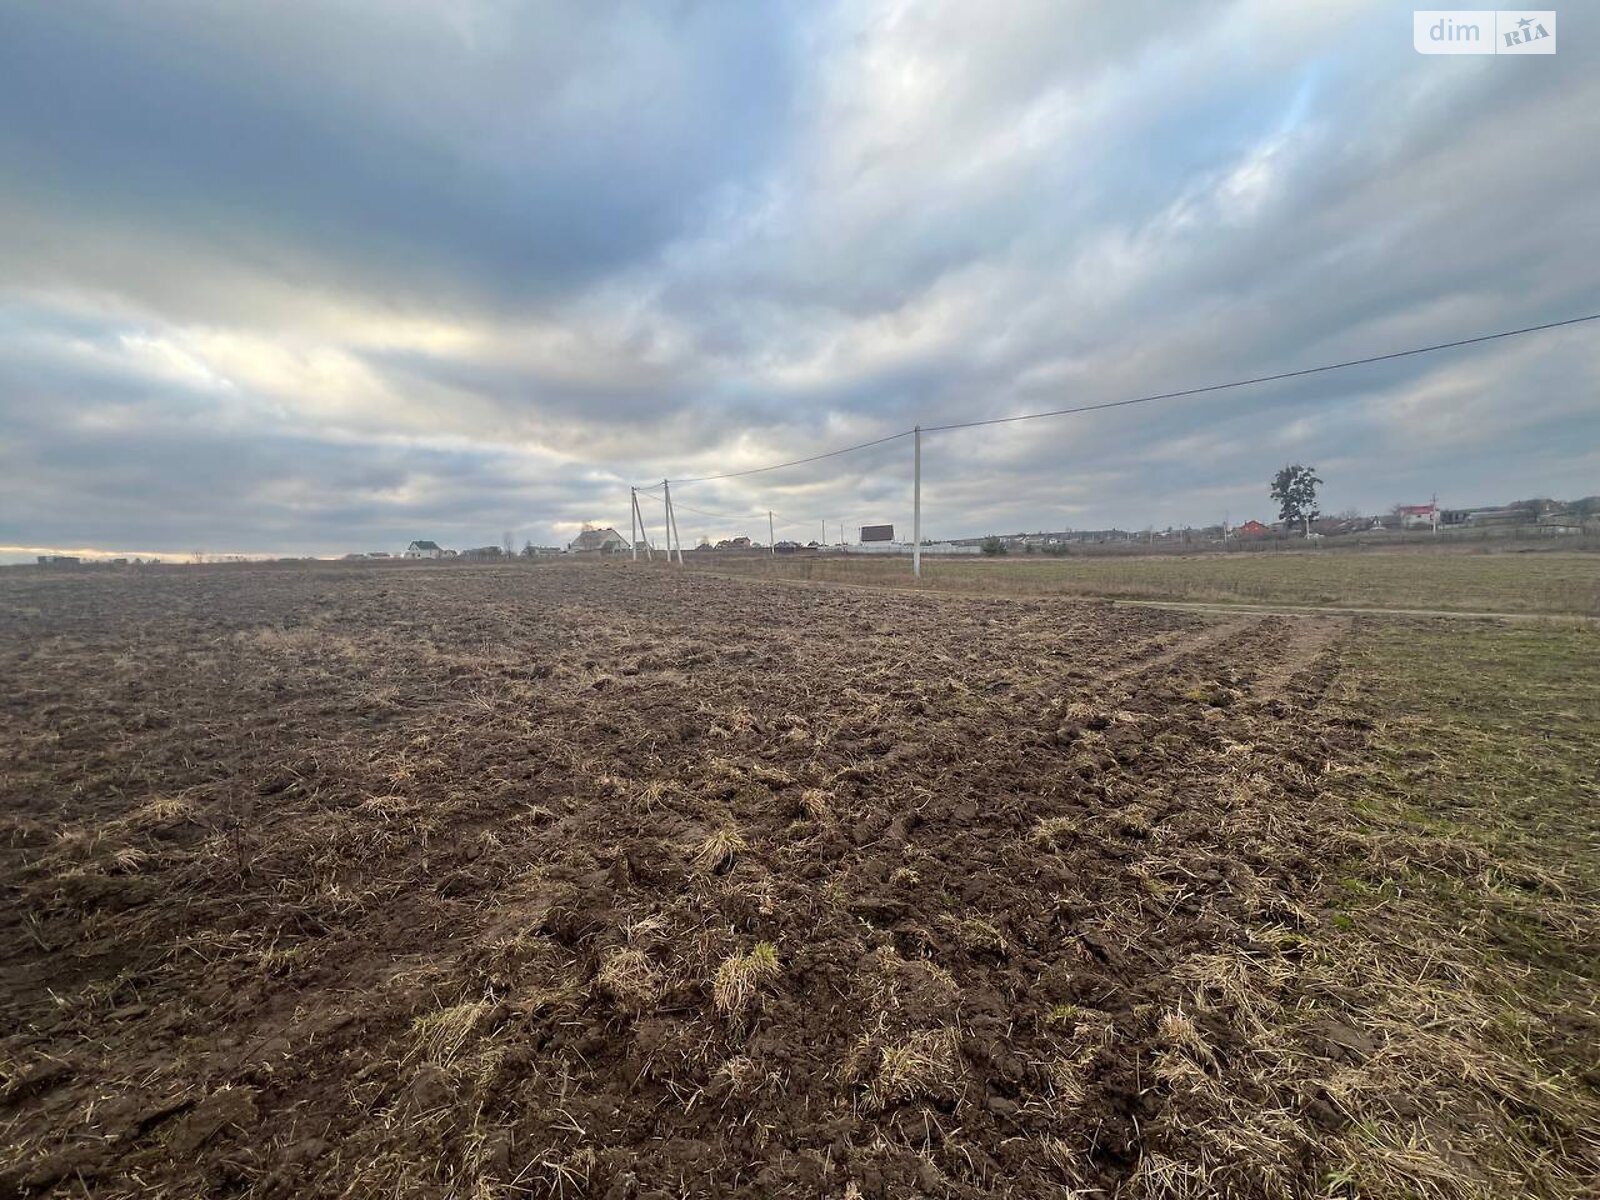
(640, 532)
(666, 517)
(916, 503)
(772, 538)
(633, 522)
(671, 523)
(824, 542)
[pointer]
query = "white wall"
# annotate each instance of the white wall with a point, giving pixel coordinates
(905, 548)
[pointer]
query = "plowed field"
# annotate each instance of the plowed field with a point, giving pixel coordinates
(597, 881)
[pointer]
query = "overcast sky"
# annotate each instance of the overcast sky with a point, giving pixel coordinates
(307, 278)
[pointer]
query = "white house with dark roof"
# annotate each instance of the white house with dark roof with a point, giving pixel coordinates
(421, 549)
(606, 541)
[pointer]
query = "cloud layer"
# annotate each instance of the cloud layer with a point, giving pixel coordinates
(310, 278)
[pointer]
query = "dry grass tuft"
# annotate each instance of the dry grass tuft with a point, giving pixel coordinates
(1054, 833)
(1059, 1154)
(631, 979)
(741, 976)
(160, 810)
(1159, 1177)
(718, 852)
(654, 794)
(924, 1062)
(441, 1036)
(129, 859)
(817, 805)
(743, 1076)
(975, 935)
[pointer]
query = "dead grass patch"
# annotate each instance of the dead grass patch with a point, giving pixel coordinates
(740, 977)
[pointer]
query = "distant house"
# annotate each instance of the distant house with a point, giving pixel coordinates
(1561, 523)
(483, 552)
(1253, 529)
(738, 543)
(423, 550)
(605, 541)
(377, 554)
(59, 560)
(1418, 516)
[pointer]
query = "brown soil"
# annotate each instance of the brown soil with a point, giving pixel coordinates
(599, 881)
(1310, 641)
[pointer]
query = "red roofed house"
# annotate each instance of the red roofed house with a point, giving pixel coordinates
(1252, 529)
(1418, 516)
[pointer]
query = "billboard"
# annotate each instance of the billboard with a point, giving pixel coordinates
(877, 533)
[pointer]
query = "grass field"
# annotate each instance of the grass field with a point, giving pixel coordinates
(1545, 582)
(1472, 906)
(584, 880)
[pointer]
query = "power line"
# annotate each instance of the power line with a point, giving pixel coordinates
(718, 516)
(798, 461)
(1175, 395)
(1218, 387)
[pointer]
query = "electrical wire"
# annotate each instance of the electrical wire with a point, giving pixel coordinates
(677, 504)
(1175, 395)
(1084, 408)
(798, 461)
(1237, 383)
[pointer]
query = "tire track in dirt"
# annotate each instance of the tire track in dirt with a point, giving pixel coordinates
(1309, 640)
(1198, 642)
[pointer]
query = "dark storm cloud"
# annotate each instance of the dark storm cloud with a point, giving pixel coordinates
(306, 276)
(418, 155)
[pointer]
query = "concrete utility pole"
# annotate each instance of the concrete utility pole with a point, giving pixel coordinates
(916, 503)
(666, 517)
(642, 535)
(633, 522)
(672, 524)
(772, 538)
